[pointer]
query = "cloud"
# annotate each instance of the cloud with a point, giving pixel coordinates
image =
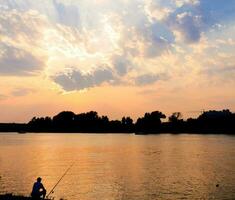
(2, 97)
(17, 25)
(180, 3)
(14, 61)
(21, 36)
(156, 10)
(147, 79)
(76, 80)
(156, 47)
(186, 23)
(225, 72)
(121, 64)
(129, 38)
(67, 15)
(147, 92)
(18, 92)
(191, 18)
(189, 26)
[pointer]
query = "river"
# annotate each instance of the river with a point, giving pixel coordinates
(120, 166)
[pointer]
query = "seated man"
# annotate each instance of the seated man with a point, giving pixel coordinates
(38, 190)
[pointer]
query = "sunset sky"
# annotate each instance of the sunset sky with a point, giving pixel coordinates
(118, 57)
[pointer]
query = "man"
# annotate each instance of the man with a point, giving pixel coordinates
(38, 190)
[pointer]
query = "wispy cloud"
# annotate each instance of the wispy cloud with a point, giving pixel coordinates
(2, 97)
(19, 92)
(147, 79)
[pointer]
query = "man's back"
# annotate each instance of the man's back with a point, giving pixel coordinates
(37, 186)
(38, 189)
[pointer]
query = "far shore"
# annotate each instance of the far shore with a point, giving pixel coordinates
(209, 122)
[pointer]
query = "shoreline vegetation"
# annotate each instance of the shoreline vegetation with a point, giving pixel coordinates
(15, 197)
(212, 121)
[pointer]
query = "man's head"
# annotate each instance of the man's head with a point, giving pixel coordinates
(39, 179)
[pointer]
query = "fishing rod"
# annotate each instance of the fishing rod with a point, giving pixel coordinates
(52, 190)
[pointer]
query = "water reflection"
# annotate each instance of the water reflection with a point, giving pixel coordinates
(120, 166)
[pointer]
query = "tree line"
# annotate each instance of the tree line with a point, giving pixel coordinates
(211, 121)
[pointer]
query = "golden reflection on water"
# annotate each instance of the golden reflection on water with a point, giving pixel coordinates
(120, 166)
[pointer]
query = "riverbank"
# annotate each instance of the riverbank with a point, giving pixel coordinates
(15, 197)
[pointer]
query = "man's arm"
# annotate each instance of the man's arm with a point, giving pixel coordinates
(43, 187)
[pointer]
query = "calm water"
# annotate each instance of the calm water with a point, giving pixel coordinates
(120, 166)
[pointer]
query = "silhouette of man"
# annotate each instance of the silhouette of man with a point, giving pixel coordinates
(38, 190)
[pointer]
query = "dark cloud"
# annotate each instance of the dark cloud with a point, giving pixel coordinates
(76, 80)
(121, 64)
(156, 47)
(192, 20)
(157, 39)
(15, 61)
(189, 25)
(161, 30)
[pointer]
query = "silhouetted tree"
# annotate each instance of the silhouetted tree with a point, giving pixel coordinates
(40, 124)
(64, 121)
(150, 122)
(127, 124)
(115, 126)
(90, 121)
(211, 121)
(215, 115)
(175, 117)
(65, 117)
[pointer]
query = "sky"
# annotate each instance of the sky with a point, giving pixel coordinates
(120, 58)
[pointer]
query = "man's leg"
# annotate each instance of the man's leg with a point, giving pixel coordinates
(36, 197)
(43, 194)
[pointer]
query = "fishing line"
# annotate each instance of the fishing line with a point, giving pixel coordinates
(52, 190)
